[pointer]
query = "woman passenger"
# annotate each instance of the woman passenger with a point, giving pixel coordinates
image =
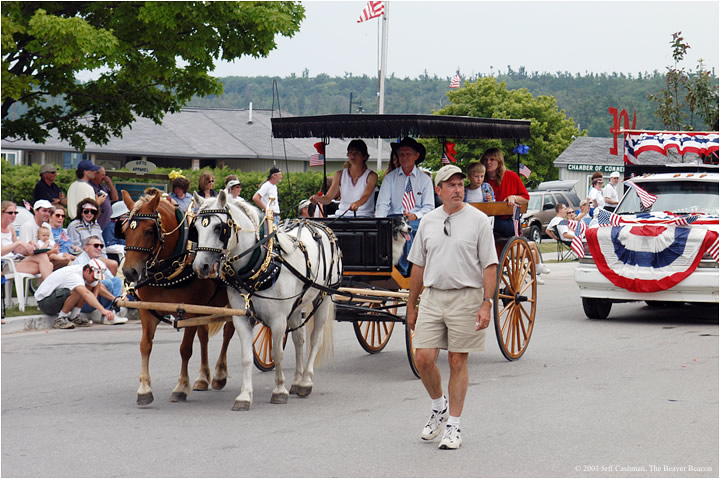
(355, 184)
(205, 185)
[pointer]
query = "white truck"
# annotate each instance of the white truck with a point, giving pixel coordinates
(648, 257)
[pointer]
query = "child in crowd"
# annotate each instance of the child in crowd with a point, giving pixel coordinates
(43, 237)
(478, 191)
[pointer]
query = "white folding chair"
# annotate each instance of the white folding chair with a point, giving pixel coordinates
(21, 280)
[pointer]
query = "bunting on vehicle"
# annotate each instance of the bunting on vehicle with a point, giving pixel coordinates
(702, 143)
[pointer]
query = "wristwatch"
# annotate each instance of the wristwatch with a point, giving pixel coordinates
(489, 300)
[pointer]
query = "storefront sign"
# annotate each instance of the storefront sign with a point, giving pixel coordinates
(140, 166)
(592, 168)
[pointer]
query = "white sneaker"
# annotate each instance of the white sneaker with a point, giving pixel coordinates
(116, 320)
(540, 280)
(542, 269)
(452, 439)
(435, 423)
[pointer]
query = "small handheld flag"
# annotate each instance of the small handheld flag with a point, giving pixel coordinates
(524, 170)
(408, 199)
(646, 198)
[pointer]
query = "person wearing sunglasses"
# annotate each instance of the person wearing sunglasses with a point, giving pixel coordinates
(454, 258)
(206, 182)
(86, 224)
(21, 251)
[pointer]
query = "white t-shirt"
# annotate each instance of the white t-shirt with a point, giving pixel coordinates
(562, 229)
(266, 191)
(457, 260)
(78, 190)
(610, 192)
(596, 194)
(474, 196)
(69, 277)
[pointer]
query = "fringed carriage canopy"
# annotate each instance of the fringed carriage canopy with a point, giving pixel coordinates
(397, 126)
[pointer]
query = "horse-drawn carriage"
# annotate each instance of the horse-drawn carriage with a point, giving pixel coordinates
(364, 286)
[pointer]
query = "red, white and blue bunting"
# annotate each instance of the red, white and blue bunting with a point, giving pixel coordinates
(645, 258)
(685, 142)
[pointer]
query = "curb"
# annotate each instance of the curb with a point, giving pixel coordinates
(27, 323)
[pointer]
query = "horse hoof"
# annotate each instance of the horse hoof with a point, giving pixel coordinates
(144, 399)
(279, 398)
(304, 391)
(218, 384)
(200, 386)
(294, 389)
(241, 406)
(178, 397)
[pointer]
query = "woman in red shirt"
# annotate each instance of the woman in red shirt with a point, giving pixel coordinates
(508, 187)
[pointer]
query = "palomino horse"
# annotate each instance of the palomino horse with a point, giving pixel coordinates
(281, 278)
(156, 259)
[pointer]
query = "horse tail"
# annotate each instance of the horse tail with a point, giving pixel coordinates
(213, 328)
(327, 347)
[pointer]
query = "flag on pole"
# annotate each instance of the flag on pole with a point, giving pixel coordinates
(524, 170)
(408, 199)
(577, 244)
(606, 218)
(455, 82)
(318, 159)
(449, 153)
(371, 10)
(646, 198)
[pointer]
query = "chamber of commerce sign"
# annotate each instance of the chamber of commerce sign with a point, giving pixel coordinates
(593, 168)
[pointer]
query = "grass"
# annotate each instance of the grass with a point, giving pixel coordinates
(15, 311)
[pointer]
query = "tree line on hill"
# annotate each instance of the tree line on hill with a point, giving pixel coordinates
(585, 98)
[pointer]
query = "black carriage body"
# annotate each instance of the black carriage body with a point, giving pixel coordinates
(366, 243)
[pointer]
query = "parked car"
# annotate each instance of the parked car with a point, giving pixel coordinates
(631, 258)
(541, 209)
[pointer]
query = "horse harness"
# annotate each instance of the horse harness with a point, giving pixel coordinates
(265, 263)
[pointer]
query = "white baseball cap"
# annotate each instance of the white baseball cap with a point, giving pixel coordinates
(98, 268)
(42, 204)
(615, 174)
(446, 172)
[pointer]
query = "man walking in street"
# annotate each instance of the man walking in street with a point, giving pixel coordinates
(454, 258)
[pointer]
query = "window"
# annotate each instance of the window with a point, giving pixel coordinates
(71, 160)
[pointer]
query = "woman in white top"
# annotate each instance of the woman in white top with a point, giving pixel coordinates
(596, 194)
(21, 252)
(355, 184)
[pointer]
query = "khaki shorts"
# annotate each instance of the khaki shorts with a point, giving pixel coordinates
(446, 320)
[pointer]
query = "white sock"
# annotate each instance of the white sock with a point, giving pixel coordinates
(439, 404)
(454, 421)
(75, 312)
(63, 314)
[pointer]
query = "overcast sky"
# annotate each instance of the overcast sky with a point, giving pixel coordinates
(487, 36)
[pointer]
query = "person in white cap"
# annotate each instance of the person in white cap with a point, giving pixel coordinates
(41, 216)
(610, 192)
(233, 188)
(66, 290)
(112, 233)
(454, 259)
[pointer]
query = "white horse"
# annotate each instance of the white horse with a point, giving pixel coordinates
(275, 277)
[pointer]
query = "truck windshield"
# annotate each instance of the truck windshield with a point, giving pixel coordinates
(678, 197)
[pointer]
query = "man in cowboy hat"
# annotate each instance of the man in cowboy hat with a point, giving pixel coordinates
(406, 191)
(46, 188)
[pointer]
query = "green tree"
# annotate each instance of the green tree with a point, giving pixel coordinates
(686, 94)
(551, 130)
(152, 58)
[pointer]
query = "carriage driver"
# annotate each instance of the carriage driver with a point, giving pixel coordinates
(66, 290)
(406, 191)
(454, 258)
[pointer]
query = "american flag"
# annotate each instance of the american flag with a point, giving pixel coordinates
(408, 199)
(713, 250)
(371, 10)
(576, 245)
(524, 170)
(316, 159)
(448, 153)
(606, 218)
(455, 82)
(516, 220)
(646, 198)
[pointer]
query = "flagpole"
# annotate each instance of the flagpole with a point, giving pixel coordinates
(383, 67)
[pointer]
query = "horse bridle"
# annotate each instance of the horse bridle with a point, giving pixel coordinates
(227, 227)
(132, 224)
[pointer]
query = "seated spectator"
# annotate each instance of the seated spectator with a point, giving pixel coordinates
(67, 252)
(406, 191)
(21, 251)
(86, 224)
(43, 237)
(180, 194)
(562, 212)
(114, 245)
(41, 215)
(47, 189)
(91, 247)
(111, 282)
(68, 289)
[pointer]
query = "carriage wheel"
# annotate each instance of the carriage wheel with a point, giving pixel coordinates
(409, 334)
(373, 336)
(515, 298)
(262, 347)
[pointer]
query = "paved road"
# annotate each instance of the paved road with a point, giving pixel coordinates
(632, 396)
